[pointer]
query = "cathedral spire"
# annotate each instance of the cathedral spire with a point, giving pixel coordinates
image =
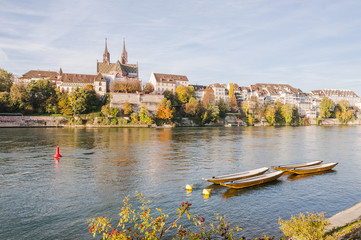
(106, 54)
(124, 58)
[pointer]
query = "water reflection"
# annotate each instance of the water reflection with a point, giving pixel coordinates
(231, 192)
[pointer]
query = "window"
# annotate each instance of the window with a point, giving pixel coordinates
(100, 83)
(100, 89)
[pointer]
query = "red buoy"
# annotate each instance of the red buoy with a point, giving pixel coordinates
(57, 154)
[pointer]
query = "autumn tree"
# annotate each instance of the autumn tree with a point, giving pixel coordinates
(126, 85)
(105, 110)
(148, 88)
(191, 107)
(287, 113)
(208, 97)
(190, 92)
(326, 106)
(343, 112)
(5, 80)
(233, 104)
(181, 94)
(64, 104)
(127, 108)
(165, 112)
(231, 91)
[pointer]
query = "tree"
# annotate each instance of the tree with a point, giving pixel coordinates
(190, 92)
(148, 88)
(326, 106)
(39, 92)
(181, 94)
(5, 102)
(105, 110)
(223, 108)
(126, 85)
(114, 111)
(64, 104)
(127, 108)
(343, 112)
(208, 97)
(191, 107)
(234, 104)
(83, 100)
(5, 81)
(144, 116)
(165, 113)
(231, 91)
(287, 113)
(19, 97)
(171, 97)
(270, 114)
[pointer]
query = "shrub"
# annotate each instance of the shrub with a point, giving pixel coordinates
(122, 121)
(114, 121)
(308, 227)
(145, 223)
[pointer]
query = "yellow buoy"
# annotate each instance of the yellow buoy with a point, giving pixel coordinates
(189, 187)
(206, 191)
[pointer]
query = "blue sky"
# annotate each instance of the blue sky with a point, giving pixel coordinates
(308, 44)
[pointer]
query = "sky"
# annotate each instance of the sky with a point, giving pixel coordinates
(309, 44)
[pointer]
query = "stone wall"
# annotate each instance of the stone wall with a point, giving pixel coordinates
(30, 121)
(150, 101)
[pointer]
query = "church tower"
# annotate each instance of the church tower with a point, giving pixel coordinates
(106, 54)
(124, 58)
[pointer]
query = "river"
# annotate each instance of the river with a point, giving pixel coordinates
(44, 199)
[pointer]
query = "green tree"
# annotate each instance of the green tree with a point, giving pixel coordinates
(19, 98)
(39, 92)
(326, 106)
(191, 107)
(171, 97)
(223, 108)
(127, 108)
(114, 111)
(5, 80)
(181, 94)
(144, 116)
(343, 112)
(83, 100)
(287, 113)
(5, 105)
(134, 117)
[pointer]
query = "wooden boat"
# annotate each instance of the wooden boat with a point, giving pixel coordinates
(313, 169)
(285, 167)
(252, 181)
(236, 176)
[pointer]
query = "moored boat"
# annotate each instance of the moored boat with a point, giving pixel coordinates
(236, 176)
(306, 164)
(252, 181)
(313, 169)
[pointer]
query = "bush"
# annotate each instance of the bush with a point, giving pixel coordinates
(122, 121)
(144, 223)
(114, 121)
(310, 227)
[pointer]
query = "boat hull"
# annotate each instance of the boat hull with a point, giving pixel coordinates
(236, 176)
(286, 167)
(257, 180)
(313, 169)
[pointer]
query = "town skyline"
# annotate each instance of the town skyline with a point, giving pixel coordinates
(307, 45)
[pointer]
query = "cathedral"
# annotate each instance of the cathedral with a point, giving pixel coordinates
(120, 70)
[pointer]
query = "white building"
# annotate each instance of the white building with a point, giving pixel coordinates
(163, 82)
(337, 95)
(220, 92)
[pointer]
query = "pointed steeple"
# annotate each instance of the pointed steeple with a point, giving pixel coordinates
(124, 58)
(60, 71)
(106, 54)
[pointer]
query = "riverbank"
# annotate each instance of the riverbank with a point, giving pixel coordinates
(60, 121)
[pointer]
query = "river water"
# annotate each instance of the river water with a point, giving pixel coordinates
(44, 199)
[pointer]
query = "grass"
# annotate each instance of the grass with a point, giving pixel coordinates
(351, 231)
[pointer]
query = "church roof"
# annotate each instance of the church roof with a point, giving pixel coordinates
(40, 74)
(169, 78)
(116, 67)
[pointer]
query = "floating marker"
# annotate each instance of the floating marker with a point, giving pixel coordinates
(57, 154)
(189, 187)
(206, 191)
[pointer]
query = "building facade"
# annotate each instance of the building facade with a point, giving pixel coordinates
(170, 82)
